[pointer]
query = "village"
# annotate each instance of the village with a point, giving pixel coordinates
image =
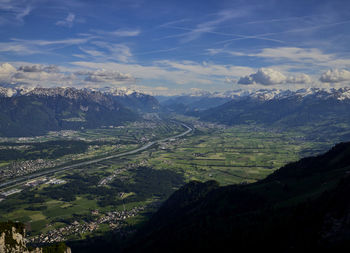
(115, 220)
(20, 168)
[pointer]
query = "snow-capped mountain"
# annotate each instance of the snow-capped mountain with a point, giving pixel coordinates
(284, 108)
(35, 111)
(269, 94)
(200, 101)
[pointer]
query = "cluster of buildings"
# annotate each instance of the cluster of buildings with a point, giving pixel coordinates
(20, 168)
(115, 220)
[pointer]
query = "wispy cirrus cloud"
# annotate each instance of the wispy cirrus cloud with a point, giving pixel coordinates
(285, 55)
(119, 32)
(109, 51)
(30, 47)
(14, 11)
(205, 27)
(68, 21)
(17, 48)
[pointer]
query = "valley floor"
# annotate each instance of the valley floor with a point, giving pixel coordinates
(119, 193)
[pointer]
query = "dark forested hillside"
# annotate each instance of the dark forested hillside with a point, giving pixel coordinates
(302, 207)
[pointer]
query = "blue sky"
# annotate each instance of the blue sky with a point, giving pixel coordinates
(171, 47)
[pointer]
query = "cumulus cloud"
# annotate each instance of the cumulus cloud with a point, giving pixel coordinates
(68, 21)
(299, 78)
(105, 76)
(268, 76)
(264, 76)
(335, 76)
(6, 72)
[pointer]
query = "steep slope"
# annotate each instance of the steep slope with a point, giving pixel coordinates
(302, 207)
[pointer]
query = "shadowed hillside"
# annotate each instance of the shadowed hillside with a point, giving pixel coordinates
(301, 207)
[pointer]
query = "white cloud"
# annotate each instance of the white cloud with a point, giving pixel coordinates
(6, 72)
(268, 76)
(34, 74)
(335, 76)
(68, 21)
(264, 76)
(299, 79)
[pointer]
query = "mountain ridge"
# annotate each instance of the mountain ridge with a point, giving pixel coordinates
(39, 110)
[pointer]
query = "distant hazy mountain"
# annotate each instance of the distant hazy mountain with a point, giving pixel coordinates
(302, 207)
(196, 103)
(37, 111)
(188, 104)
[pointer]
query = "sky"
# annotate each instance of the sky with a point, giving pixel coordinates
(174, 47)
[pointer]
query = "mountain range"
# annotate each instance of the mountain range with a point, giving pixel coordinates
(29, 112)
(285, 109)
(317, 111)
(199, 101)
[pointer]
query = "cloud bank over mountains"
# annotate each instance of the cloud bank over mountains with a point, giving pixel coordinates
(52, 75)
(133, 75)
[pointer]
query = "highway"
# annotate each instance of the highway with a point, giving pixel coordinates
(23, 179)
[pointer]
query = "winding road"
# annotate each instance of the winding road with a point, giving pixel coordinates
(23, 179)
